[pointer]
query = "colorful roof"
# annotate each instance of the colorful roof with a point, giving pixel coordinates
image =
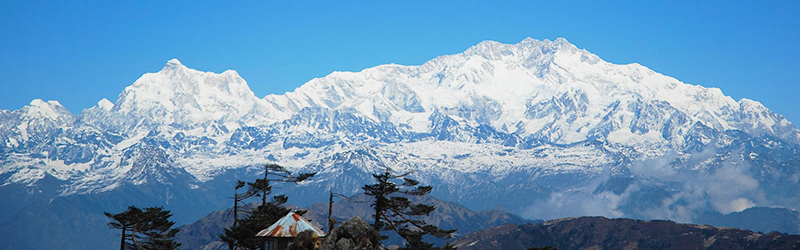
(289, 226)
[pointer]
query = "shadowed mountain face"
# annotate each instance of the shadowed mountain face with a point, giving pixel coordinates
(539, 128)
(603, 233)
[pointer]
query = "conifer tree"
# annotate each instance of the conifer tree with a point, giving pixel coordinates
(125, 221)
(145, 229)
(241, 235)
(157, 230)
(395, 212)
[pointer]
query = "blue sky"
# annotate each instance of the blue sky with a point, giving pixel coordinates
(78, 52)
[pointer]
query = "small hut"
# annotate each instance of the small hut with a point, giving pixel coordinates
(280, 234)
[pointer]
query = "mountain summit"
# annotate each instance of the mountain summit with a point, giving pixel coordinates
(177, 94)
(552, 125)
(550, 90)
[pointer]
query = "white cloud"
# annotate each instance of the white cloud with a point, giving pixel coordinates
(725, 187)
(659, 167)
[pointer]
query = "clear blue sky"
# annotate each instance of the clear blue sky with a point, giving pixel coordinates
(78, 52)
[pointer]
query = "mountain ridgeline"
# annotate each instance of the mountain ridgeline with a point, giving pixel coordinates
(603, 233)
(539, 128)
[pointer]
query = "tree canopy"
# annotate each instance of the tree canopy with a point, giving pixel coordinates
(394, 211)
(146, 229)
(241, 234)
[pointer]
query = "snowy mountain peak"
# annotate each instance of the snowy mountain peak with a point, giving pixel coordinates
(36, 120)
(532, 91)
(41, 103)
(551, 90)
(178, 94)
(105, 104)
(526, 50)
(173, 63)
(563, 43)
(52, 109)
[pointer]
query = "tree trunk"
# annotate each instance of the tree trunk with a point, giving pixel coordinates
(122, 239)
(235, 207)
(264, 196)
(330, 213)
(133, 237)
(380, 202)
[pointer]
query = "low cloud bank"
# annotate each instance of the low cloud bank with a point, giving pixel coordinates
(660, 189)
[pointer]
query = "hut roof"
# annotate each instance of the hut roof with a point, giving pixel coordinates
(289, 226)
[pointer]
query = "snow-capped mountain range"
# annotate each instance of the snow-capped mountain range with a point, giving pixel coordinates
(541, 121)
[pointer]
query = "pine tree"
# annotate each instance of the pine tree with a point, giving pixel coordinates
(242, 233)
(395, 212)
(158, 230)
(125, 221)
(145, 229)
(262, 187)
